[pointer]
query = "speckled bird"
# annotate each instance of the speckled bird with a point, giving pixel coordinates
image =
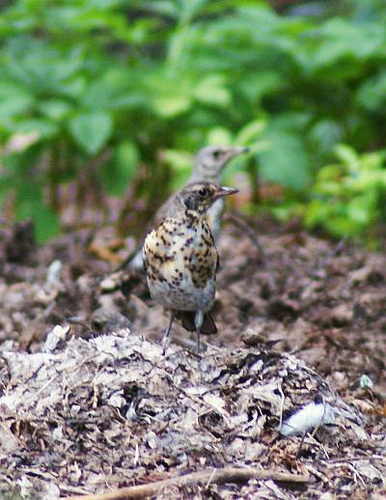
(181, 258)
(209, 163)
(208, 166)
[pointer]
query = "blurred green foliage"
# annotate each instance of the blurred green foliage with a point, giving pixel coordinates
(108, 94)
(347, 197)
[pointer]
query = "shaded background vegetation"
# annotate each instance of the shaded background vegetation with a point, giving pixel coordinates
(109, 99)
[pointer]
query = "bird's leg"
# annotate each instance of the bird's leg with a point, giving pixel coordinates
(198, 321)
(167, 331)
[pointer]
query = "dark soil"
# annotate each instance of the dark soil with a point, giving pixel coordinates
(301, 320)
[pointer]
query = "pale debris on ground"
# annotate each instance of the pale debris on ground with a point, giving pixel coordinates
(86, 416)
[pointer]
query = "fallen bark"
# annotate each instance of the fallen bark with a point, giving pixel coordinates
(203, 478)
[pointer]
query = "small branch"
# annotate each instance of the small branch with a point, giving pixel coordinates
(203, 478)
(238, 220)
(320, 271)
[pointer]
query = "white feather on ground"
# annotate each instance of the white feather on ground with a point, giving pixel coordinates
(309, 417)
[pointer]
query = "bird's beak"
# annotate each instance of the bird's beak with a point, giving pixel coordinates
(235, 150)
(224, 191)
(240, 149)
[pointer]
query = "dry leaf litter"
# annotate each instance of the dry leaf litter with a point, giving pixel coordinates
(294, 382)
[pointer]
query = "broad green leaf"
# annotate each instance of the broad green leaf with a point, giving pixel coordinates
(212, 90)
(181, 163)
(30, 204)
(40, 66)
(44, 129)
(99, 95)
(317, 212)
(337, 36)
(171, 106)
(18, 161)
(219, 136)
(117, 173)
(250, 132)
(56, 109)
(14, 100)
(285, 161)
(359, 213)
(261, 84)
(46, 221)
(74, 87)
(112, 92)
(91, 131)
(372, 93)
(324, 135)
(348, 156)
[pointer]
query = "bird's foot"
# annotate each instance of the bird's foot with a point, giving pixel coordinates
(165, 344)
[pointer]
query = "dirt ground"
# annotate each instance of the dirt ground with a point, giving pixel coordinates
(89, 404)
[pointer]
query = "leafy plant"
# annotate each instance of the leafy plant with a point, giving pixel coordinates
(348, 196)
(113, 97)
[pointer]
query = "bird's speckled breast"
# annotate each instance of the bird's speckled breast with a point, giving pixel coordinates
(181, 260)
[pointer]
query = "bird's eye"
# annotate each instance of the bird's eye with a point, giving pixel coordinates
(203, 192)
(216, 155)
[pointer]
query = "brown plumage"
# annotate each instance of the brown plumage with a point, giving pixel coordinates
(209, 163)
(181, 258)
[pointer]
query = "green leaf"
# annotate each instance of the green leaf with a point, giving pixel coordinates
(212, 90)
(181, 164)
(250, 132)
(99, 95)
(372, 93)
(117, 173)
(263, 83)
(317, 212)
(337, 43)
(44, 129)
(56, 109)
(170, 106)
(47, 224)
(14, 100)
(46, 221)
(324, 135)
(359, 213)
(348, 156)
(219, 136)
(285, 160)
(41, 66)
(91, 131)
(30, 204)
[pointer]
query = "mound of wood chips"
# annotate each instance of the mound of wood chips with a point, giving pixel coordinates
(92, 416)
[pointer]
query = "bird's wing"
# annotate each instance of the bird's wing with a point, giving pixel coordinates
(167, 209)
(157, 251)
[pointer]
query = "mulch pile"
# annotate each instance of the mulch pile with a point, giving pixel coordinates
(89, 404)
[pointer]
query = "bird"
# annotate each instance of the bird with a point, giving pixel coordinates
(208, 165)
(181, 259)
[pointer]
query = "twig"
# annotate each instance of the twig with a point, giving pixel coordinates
(238, 220)
(282, 400)
(217, 476)
(126, 261)
(344, 460)
(320, 270)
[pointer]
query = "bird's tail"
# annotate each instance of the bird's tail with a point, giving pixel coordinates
(187, 319)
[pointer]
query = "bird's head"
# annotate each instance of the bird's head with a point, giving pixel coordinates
(210, 161)
(200, 196)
